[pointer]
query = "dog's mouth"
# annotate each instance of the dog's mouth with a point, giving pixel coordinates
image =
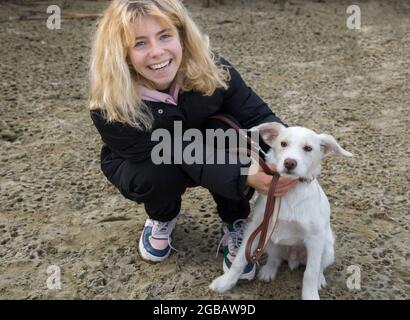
(289, 174)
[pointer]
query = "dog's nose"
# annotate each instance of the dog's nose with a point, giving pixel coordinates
(290, 164)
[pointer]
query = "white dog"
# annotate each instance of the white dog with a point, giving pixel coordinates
(303, 234)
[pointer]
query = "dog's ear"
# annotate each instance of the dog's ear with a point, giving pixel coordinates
(329, 146)
(269, 131)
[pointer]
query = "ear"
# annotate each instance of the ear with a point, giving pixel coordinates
(269, 131)
(329, 146)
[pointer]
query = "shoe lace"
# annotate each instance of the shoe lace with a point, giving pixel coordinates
(233, 238)
(162, 230)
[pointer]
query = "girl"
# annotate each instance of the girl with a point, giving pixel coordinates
(151, 66)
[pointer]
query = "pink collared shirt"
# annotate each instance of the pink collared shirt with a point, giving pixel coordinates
(157, 96)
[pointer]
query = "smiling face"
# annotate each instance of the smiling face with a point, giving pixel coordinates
(157, 53)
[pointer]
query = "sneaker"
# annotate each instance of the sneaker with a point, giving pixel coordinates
(155, 241)
(232, 236)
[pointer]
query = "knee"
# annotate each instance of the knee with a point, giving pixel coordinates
(167, 181)
(147, 182)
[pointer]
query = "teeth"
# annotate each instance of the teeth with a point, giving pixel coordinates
(159, 65)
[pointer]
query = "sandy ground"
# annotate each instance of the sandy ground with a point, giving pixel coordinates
(58, 209)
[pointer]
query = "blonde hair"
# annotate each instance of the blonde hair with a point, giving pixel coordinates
(113, 80)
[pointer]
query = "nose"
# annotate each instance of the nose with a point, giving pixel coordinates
(290, 164)
(156, 49)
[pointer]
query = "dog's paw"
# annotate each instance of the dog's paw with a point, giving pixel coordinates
(267, 273)
(322, 282)
(310, 295)
(221, 284)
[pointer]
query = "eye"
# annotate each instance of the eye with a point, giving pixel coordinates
(165, 36)
(139, 43)
(283, 144)
(307, 148)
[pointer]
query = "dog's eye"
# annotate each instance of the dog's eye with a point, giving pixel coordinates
(307, 148)
(283, 144)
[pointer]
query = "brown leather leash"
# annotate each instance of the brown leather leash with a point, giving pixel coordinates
(270, 216)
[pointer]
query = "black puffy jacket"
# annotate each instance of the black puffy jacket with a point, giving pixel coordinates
(125, 143)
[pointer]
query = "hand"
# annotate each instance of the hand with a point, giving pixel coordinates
(261, 182)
